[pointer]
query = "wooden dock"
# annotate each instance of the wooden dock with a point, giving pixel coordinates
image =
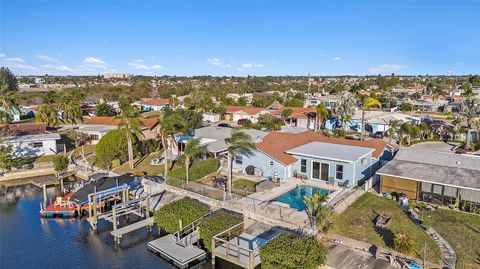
(242, 250)
(118, 233)
(180, 256)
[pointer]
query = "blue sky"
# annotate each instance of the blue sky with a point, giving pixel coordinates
(240, 37)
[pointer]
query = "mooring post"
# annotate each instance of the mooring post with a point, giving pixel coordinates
(147, 207)
(95, 215)
(61, 183)
(213, 252)
(89, 206)
(44, 195)
(114, 217)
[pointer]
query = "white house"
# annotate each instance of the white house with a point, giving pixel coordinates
(211, 117)
(33, 145)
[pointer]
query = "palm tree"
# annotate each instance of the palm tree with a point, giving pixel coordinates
(170, 125)
(367, 104)
(325, 217)
(322, 114)
(469, 109)
(403, 243)
(238, 142)
(313, 203)
(70, 104)
(47, 114)
(132, 127)
(393, 127)
(192, 150)
(410, 130)
(344, 108)
(7, 101)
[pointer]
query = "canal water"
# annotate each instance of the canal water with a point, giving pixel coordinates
(28, 241)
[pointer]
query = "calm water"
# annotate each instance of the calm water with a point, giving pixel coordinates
(294, 197)
(28, 241)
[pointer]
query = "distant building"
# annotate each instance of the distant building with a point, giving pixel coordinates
(116, 75)
(154, 104)
(211, 117)
(235, 113)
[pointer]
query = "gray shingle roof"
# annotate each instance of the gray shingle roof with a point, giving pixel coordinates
(435, 167)
(331, 151)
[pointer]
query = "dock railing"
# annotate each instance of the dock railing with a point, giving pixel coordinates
(233, 252)
(188, 229)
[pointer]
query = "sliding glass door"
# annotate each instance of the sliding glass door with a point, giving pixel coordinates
(320, 170)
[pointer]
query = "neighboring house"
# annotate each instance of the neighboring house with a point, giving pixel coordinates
(408, 91)
(380, 120)
(301, 117)
(97, 127)
(211, 117)
(31, 140)
(213, 137)
(316, 157)
(435, 177)
(235, 113)
(427, 104)
(154, 104)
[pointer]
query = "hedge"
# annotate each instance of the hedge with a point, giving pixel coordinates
(216, 224)
(287, 251)
(185, 209)
(198, 169)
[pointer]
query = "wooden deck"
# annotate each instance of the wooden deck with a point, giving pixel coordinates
(179, 255)
(241, 249)
(47, 181)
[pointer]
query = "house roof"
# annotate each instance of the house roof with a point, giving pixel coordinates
(155, 101)
(148, 122)
(25, 128)
(247, 109)
(457, 170)
(213, 137)
(276, 144)
(32, 138)
(297, 112)
(331, 151)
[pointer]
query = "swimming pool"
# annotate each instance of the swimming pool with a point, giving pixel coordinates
(294, 197)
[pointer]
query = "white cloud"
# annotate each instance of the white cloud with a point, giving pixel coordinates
(240, 69)
(140, 65)
(2, 55)
(385, 69)
(249, 65)
(93, 60)
(47, 58)
(217, 62)
(337, 59)
(14, 60)
(56, 67)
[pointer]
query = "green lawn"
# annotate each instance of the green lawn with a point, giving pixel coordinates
(358, 222)
(144, 166)
(242, 182)
(462, 232)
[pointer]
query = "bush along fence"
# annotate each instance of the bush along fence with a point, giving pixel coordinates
(178, 214)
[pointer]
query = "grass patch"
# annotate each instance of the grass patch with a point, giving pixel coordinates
(358, 222)
(199, 169)
(87, 149)
(241, 183)
(143, 167)
(462, 232)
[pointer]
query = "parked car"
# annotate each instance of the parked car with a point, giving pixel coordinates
(157, 161)
(379, 134)
(224, 125)
(241, 121)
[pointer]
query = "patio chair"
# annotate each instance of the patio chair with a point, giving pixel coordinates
(344, 184)
(331, 181)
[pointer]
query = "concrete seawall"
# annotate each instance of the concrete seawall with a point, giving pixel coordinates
(35, 172)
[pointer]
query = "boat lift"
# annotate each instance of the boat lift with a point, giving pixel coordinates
(102, 196)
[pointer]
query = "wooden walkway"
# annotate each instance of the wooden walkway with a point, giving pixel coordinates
(47, 181)
(180, 256)
(132, 227)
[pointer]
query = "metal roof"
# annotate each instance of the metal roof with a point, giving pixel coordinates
(213, 137)
(331, 151)
(435, 167)
(32, 138)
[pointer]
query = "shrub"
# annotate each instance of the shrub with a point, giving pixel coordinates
(113, 146)
(116, 163)
(403, 243)
(288, 252)
(105, 110)
(184, 209)
(198, 169)
(60, 162)
(216, 224)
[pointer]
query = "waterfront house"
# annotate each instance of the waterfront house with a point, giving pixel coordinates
(235, 113)
(431, 176)
(154, 104)
(31, 140)
(313, 156)
(96, 127)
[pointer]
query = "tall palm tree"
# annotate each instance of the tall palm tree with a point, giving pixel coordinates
(169, 126)
(367, 104)
(132, 126)
(238, 142)
(469, 109)
(70, 105)
(192, 150)
(322, 114)
(410, 130)
(344, 108)
(8, 102)
(392, 129)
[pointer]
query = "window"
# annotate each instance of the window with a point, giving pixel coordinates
(339, 173)
(271, 163)
(364, 161)
(94, 137)
(238, 159)
(37, 144)
(303, 166)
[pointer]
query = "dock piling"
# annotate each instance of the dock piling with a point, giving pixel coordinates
(44, 196)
